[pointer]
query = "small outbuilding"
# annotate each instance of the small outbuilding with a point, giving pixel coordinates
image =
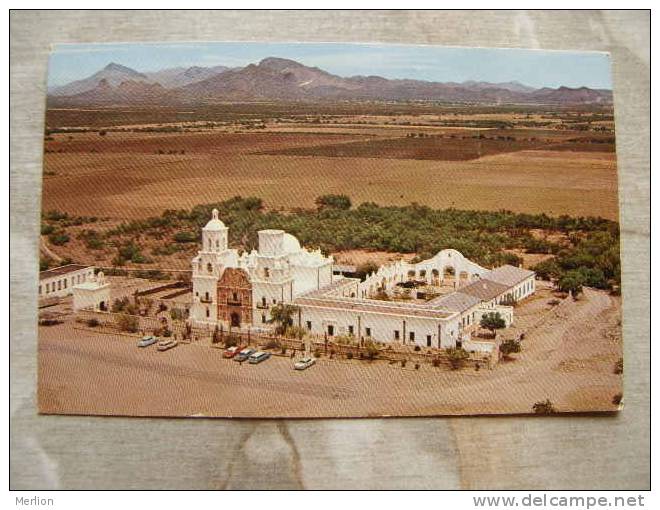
(93, 294)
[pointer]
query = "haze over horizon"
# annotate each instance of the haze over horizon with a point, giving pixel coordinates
(534, 68)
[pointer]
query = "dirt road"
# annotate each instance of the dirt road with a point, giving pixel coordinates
(569, 359)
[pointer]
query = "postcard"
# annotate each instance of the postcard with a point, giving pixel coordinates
(328, 230)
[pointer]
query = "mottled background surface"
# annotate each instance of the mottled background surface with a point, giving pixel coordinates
(568, 452)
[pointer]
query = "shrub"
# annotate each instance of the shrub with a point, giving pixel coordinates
(317, 353)
(44, 263)
(58, 238)
(457, 357)
(349, 355)
(341, 202)
(50, 322)
(344, 340)
(185, 237)
(618, 367)
(417, 348)
(47, 229)
(231, 341)
(120, 304)
(403, 363)
(416, 366)
(128, 323)
(435, 362)
(93, 322)
(509, 347)
(371, 349)
(616, 399)
(177, 314)
(131, 251)
(273, 344)
(55, 215)
(295, 332)
(544, 407)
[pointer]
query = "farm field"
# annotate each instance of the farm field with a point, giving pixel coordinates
(126, 174)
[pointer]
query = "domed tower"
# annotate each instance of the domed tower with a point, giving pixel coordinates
(207, 268)
(214, 235)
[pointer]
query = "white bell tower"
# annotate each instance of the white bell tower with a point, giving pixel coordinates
(214, 235)
(207, 268)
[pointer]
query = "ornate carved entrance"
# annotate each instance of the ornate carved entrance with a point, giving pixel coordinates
(235, 298)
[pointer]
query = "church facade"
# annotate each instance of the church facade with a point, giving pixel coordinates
(238, 289)
(432, 303)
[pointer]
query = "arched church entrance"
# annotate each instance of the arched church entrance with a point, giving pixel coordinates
(235, 298)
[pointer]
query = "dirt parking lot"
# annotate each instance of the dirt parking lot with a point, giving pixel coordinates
(569, 355)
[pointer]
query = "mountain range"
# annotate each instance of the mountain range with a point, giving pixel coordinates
(287, 80)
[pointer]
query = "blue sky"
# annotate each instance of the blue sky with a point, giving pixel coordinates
(537, 68)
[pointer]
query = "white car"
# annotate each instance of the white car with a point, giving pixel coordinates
(165, 345)
(304, 363)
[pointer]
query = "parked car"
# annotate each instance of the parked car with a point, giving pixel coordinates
(244, 354)
(146, 341)
(258, 357)
(230, 352)
(304, 363)
(167, 344)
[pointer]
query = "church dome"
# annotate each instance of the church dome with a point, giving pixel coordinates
(290, 244)
(215, 223)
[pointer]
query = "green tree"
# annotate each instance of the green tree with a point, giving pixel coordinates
(547, 270)
(571, 282)
(282, 316)
(492, 321)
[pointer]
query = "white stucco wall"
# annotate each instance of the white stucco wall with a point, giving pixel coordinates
(84, 298)
(382, 326)
(62, 285)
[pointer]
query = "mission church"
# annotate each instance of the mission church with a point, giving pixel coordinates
(433, 303)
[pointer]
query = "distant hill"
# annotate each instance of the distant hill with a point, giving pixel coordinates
(181, 76)
(112, 75)
(287, 80)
